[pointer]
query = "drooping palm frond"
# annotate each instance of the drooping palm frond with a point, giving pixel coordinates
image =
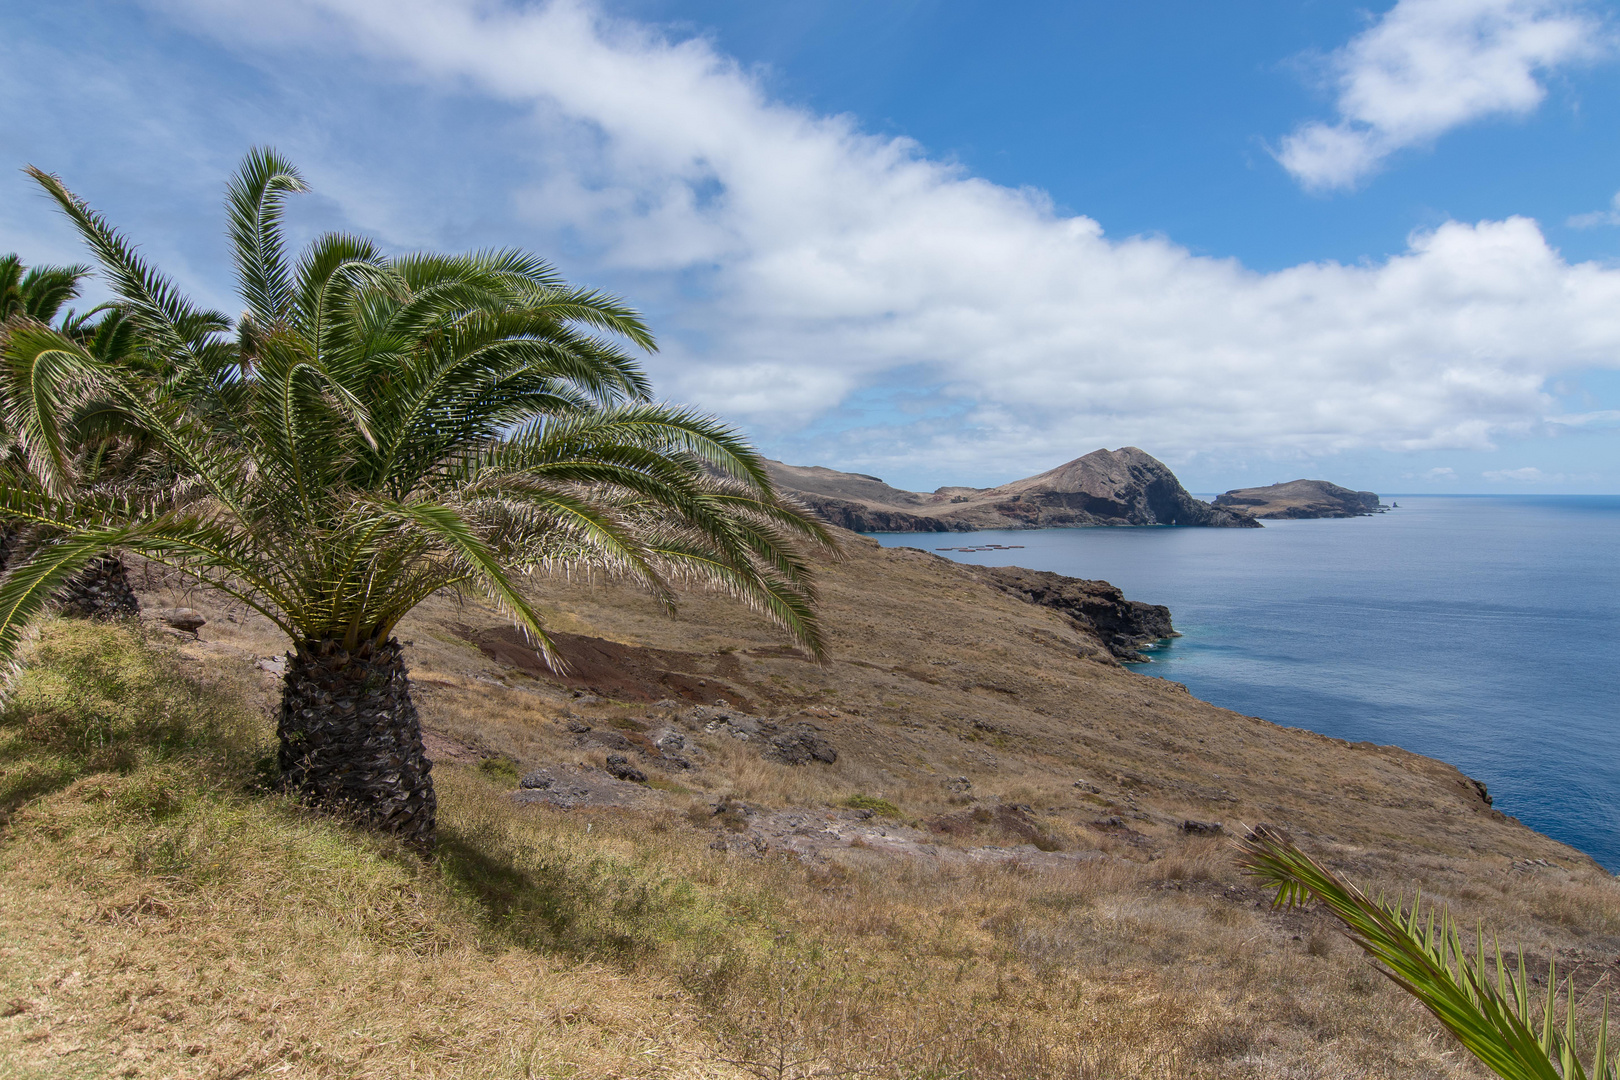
(44, 378)
(185, 336)
(1492, 1013)
(37, 292)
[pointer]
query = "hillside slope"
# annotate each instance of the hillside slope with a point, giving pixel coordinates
(972, 844)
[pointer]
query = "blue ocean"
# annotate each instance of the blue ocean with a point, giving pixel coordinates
(1481, 630)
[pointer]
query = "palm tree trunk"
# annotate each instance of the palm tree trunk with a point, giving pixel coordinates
(351, 741)
(100, 591)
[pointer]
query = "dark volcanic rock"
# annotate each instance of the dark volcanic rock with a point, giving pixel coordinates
(864, 519)
(1093, 606)
(791, 743)
(619, 767)
(1300, 499)
(800, 745)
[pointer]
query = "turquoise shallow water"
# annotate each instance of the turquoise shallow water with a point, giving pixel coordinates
(1481, 630)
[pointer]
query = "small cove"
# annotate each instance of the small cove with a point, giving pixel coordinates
(1481, 630)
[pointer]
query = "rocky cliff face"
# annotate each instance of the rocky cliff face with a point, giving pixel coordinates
(1105, 487)
(1300, 499)
(861, 518)
(1095, 607)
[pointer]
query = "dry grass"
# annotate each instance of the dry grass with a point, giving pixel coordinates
(162, 917)
(161, 914)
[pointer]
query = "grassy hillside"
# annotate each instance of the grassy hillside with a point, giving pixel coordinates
(163, 914)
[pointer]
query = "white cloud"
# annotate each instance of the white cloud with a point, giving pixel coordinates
(1611, 216)
(1428, 66)
(1441, 472)
(1602, 418)
(812, 262)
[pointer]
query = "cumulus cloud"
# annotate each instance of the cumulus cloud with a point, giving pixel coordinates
(815, 265)
(1428, 66)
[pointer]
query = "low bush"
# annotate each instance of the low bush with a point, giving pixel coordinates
(874, 804)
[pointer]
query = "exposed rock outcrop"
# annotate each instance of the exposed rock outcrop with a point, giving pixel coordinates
(1105, 487)
(1096, 607)
(1300, 499)
(857, 517)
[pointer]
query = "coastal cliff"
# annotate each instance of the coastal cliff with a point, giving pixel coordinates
(1300, 499)
(1105, 487)
(1095, 607)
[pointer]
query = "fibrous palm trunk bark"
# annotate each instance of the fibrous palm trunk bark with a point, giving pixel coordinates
(351, 741)
(100, 591)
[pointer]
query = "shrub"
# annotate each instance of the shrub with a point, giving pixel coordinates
(874, 804)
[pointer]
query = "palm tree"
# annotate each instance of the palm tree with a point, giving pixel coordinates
(28, 295)
(1491, 1012)
(30, 299)
(378, 428)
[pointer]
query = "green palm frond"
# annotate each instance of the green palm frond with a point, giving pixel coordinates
(1491, 1012)
(254, 201)
(175, 326)
(380, 428)
(37, 292)
(44, 377)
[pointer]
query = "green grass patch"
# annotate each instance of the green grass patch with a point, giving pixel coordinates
(874, 804)
(498, 769)
(96, 698)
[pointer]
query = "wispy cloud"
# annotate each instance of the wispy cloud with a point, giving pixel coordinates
(1527, 475)
(1599, 419)
(1611, 216)
(1428, 66)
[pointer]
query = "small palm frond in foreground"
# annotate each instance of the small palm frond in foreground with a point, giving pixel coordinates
(1488, 1007)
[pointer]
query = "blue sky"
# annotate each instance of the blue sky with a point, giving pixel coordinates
(943, 242)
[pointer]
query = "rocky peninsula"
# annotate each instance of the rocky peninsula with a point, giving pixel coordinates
(1105, 487)
(1301, 499)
